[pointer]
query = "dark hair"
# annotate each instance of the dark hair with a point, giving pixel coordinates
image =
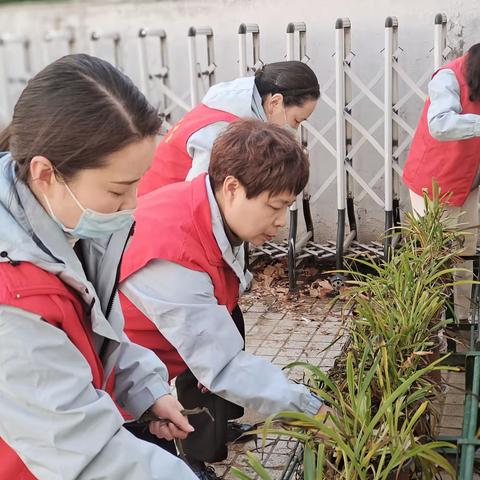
(295, 80)
(262, 156)
(473, 71)
(75, 112)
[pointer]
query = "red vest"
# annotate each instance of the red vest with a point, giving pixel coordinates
(32, 289)
(453, 164)
(174, 223)
(172, 162)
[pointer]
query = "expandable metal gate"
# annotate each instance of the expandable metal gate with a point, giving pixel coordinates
(155, 83)
(345, 174)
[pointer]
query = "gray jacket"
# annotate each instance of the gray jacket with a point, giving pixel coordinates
(182, 305)
(239, 97)
(50, 413)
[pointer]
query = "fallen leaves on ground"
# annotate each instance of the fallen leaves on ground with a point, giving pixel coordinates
(270, 285)
(320, 289)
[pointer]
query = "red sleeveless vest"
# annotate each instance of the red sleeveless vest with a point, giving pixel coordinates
(174, 223)
(453, 164)
(172, 161)
(32, 289)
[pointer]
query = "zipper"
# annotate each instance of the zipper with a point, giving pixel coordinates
(105, 343)
(117, 275)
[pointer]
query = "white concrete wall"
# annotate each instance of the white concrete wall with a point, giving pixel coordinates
(367, 17)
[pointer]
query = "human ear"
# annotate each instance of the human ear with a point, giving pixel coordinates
(276, 100)
(230, 188)
(42, 172)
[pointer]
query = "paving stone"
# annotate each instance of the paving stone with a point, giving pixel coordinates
(274, 315)
(260, 330)
(320, 338)
(268, 351)
(248, 316)
(282, 360)
(253, 341)
(276, 335)
(258, 308)
(443, 431)
(273, 343)
(449, 421)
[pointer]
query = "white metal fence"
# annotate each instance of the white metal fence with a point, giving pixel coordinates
(334, 140)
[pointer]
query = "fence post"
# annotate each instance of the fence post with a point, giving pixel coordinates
(146, 77)
(50, 36)
(7, 79)
(195, 71)
(301, 29)
(391, 29)
(116, 40)
(243, 30)
(342, 37)
(439, 40)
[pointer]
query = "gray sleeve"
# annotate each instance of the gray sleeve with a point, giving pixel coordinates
(140, 378)
(445, 118)
(182, 305)
(58, 423)
(199, 147)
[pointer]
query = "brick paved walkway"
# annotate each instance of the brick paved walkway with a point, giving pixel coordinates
(302, 331)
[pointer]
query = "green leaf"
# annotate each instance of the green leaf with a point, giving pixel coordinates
(257, 466)
(320, 462)
(308, 462)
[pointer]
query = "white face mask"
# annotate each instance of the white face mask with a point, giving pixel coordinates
(288, 127)
(92, 224)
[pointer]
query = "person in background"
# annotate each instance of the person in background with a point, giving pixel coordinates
(81, 137)
(283, 93)
(446, 148)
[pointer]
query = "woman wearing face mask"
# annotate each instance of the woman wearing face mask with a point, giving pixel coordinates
(81, 137)
(283, 93)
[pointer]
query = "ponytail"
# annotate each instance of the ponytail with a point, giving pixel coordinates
(295, 80)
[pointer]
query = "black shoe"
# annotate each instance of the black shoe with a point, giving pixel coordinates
(238, 432)
(203, 471)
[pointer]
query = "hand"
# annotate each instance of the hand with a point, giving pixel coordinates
(169, 408)
(325, 414)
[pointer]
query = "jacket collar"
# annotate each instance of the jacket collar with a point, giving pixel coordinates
(39, 240)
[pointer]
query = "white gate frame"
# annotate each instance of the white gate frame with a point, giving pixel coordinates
(393, 122)
(6, 80)
(52, 36)
(116, 39)
(343, 109)
(391, 149)
(196, 72)
(390, 127)
(160, 79)
(298, 30)
(440, 47)
(243, 30)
